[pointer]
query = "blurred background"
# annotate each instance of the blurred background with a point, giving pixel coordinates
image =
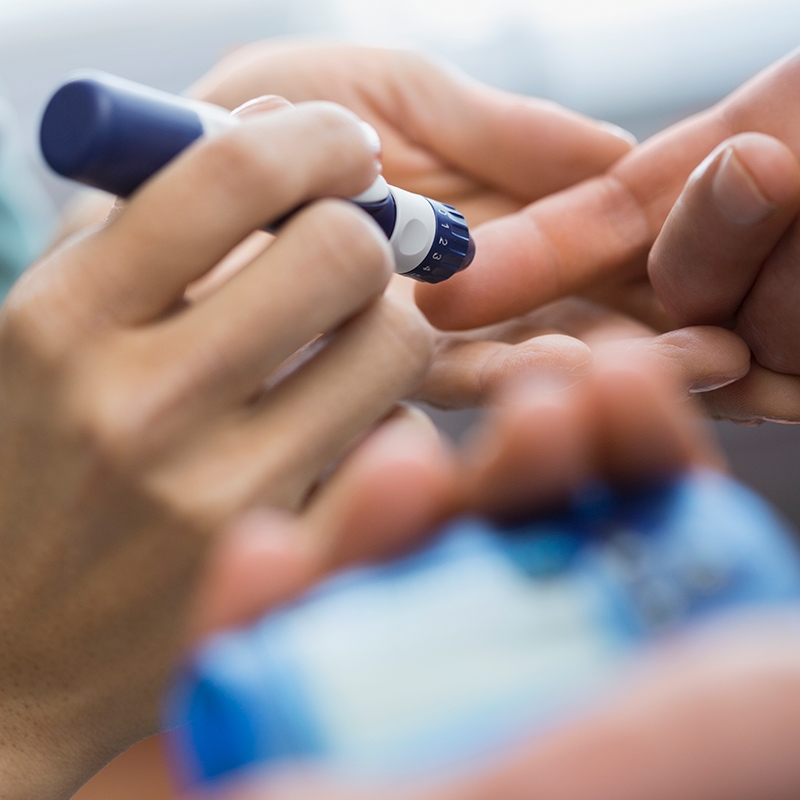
(639, 63)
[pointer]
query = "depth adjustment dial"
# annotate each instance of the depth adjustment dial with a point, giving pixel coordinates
(452, 249)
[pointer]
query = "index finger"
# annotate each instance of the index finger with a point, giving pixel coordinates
(565, 242)
(185, 219)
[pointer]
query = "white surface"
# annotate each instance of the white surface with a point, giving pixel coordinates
(612, 58)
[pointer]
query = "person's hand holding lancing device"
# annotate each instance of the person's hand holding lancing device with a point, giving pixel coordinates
(134, 423)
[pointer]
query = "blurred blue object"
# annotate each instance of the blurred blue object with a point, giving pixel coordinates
(26, 214)
(488, 634)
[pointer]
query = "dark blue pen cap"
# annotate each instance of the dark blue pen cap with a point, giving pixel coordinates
(113, 134)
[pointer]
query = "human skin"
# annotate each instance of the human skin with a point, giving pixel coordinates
(489, 153)
(604, 227)
(393, 91)
(137, 419)
(595, 238)
(622, 227)
(729, 252)
(714, 717)
(489, 134)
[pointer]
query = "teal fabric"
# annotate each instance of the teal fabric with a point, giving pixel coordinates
(26, 213)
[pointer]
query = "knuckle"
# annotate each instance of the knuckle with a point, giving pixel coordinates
(232, 162)
(337, 134)
(125, 416)
(114, 423)
(351, 244)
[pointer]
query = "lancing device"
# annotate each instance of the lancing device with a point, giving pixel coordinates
(114, 134)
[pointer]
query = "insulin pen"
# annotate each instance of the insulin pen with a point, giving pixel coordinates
(114, 134)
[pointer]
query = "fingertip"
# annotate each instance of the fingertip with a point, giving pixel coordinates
(771, 165)
(693, 359)
(642, 431)
(408, 435)
(733, 212)
(761, 396)
(514, 270)
(627, 139)
(559, 354)
(556, 357)
(443, 304)
(391, 491)
(531, 451)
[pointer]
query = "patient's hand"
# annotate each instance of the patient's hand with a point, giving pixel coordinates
(444, 135)
(714, 718)
(729, 254)
(596, 238)
(601, 231)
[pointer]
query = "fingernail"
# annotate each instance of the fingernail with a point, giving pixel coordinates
(703, 166)
(751, 422)
(736, 194)
(371, 137)
(619, 132)
(261, 105)
(714, 382)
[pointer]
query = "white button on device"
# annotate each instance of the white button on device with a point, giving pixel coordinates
(414, 240)
(414, 230)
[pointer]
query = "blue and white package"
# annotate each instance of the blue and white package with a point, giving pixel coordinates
(488, 634)
(114, 134)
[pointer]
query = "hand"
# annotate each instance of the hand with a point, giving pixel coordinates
(444, 135)
(714, 718)
(134, 423)
(488, 153)
(729, 254)
(392, 488)
(485, 151)
(560, 340)
(596, 238)
(602, 230)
